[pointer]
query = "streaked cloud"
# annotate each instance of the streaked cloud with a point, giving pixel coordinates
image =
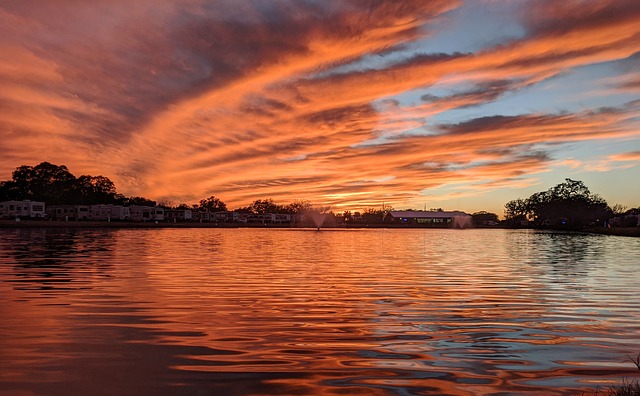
(330, 101)
(622, 160)
(630, 156)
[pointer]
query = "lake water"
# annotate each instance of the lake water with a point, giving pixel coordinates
(301, 312)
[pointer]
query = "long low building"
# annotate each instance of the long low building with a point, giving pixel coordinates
(146, 213)
(22, 209)
(425, 218)
(109, 212)
(68, 212)
(178, 214)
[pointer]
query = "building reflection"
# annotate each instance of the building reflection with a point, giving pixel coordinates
(293, 312)
(56, 259)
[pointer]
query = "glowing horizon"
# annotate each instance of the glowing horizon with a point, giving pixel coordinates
(348, 104)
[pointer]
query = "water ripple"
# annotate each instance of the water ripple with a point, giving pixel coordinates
(254, 311)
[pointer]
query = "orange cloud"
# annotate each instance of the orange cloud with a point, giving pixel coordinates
(291, 99)
(628, 156)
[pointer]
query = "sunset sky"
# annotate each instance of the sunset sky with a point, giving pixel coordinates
(455, 104)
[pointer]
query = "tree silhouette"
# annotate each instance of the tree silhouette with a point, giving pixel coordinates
(139, 201)
(298, 207)
(262, 206)
(484, 218)
(212, 204)
(96, 190)
(44, 182)
(55, 185)
(567, 205)
(516, 211)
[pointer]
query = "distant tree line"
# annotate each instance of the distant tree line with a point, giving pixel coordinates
(259, 206)
(568, 205)
(485, 219)
(55, 185)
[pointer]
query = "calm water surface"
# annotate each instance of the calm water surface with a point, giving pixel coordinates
(298, 312)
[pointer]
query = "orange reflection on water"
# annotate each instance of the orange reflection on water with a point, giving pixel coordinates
(254, 311)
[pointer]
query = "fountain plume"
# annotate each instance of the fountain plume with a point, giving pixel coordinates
(317, 216)
(462, 221)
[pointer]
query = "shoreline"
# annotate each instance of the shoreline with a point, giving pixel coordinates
(12, 224)
(128, 224)
(633, 232)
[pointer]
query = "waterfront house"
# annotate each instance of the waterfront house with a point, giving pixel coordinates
(201, 216)
(68, 212)
(429, 218)
(282, 218)
(178, 214)
(109, 212)
(260, 218)
(228, 217)
(22, 209)
(146, 213)
(253, 218)
(626, 220)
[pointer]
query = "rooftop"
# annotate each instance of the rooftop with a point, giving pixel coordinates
(425, 214)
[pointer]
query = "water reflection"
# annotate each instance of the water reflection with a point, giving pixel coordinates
(404, 312)
(56, 259)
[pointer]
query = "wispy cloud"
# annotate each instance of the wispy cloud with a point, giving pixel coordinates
(253, 99)
(631, 156)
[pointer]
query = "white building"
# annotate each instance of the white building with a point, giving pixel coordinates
(178, 214)
(228, 217)
(68, 212)
(201, 216)
(260, 218)
(146, 213)
(22, 209)
(453, 219)
(282, 218)
(108, 212)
